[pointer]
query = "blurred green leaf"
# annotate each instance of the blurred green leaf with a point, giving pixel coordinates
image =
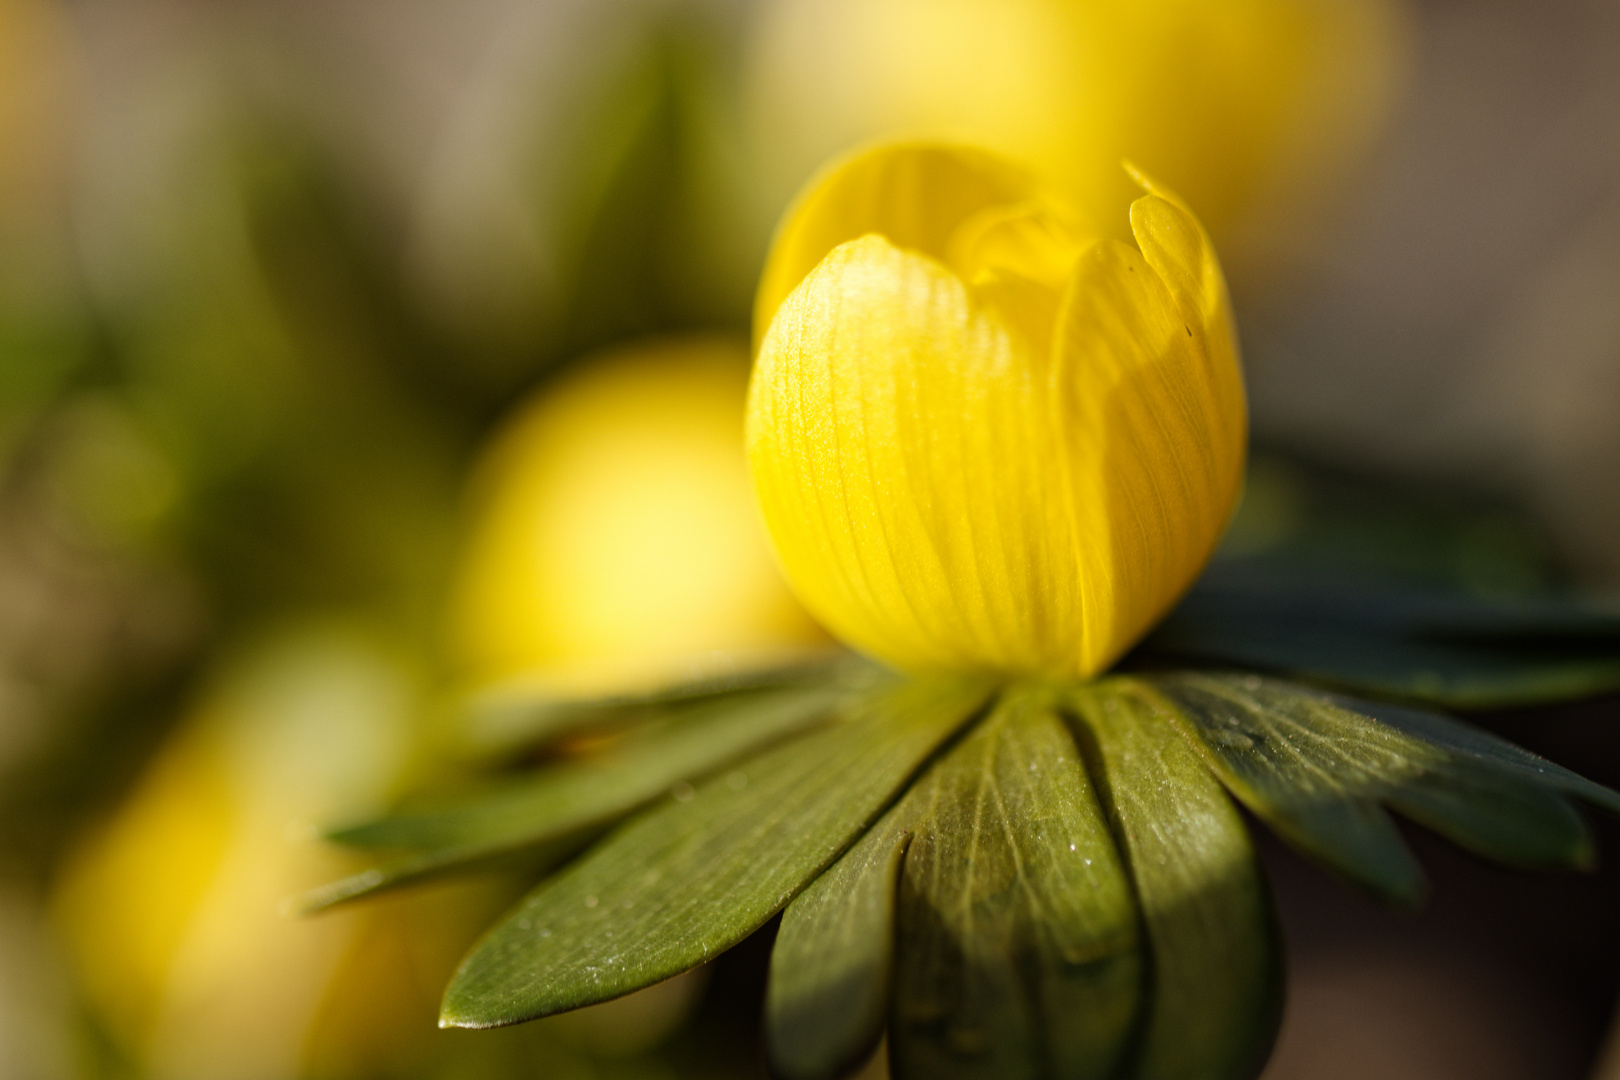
(39, 358)
(833, 963)
(642, 249)
(1018, 950)
(1391, 587)
(538, 858)
(574, 797)
(1217, 977)
(516, 718)
(1316, 768)
(267, 340)
(626, 187)
(689, 878)
(1324, 521)
(639, 765)
(1389, 640)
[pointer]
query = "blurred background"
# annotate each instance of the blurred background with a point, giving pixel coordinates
(357, 356)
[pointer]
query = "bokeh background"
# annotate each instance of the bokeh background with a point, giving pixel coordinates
(358, 360)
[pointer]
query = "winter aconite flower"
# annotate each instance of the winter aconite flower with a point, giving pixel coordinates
(981, 437)
(993, 449)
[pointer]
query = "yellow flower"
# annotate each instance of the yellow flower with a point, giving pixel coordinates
(981, 438)
(614, 538)
(169, 913)
(1241, 104)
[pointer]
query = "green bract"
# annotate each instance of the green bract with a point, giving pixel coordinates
(1008, 877)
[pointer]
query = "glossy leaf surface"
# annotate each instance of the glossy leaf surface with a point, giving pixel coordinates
(1217, 979)
(558, 808)
(1018, 951)
(686, 880)
(1317, 769)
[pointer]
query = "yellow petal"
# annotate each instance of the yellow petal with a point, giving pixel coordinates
(1017, 257)
(916, 195)
(947, 488)
(886, 410)
(1177, 246)
(1034, 241)
(1152, 405)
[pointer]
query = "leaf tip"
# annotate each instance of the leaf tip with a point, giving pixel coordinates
(1409, 895)
(452, 1017)
(462, 1009)
(320, 899)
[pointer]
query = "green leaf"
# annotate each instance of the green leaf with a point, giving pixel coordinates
(1522, 825)
(1392, 641)
(686, 880)
(1018, 951)
(640, 766)
(515, 717)
(560, 807)
(833, 962)
(1217, 979)
(1316, 767)
(1316, 783)
(412, 869)
(1492, 797)
(1468, 742)
(1319, 520)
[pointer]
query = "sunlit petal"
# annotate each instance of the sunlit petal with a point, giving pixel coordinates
(916, 195)
(979, 438)
(1154, 423)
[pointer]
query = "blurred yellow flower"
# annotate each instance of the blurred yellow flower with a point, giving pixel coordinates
(982, 438)
(614, 536)
(171, 913)
(1239, 105)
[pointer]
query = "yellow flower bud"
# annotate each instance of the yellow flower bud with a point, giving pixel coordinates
(980, 437)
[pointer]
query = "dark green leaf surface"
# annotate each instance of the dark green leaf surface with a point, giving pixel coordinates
(686, 880)
(1018, 950)
(832, 965)
(1492, 797)
(516, 717)
(1467, 742)
(1518, 824)
(1216, 975)
(1315, 777)
(1420, 646)
(1316, 769)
